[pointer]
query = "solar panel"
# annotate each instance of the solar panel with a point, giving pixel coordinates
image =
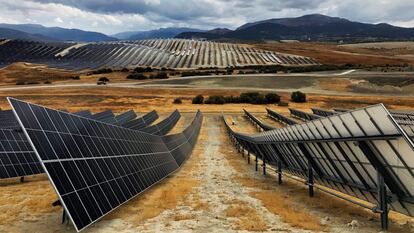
(341, 110)
(303, 115)
(105, 116)
(258, 122)
(95, 167)
(280, 118)
(363, 153)
(125, 117)
(141, 122)
(163, 127)
(84, 113)
(17, 158)
(322, 112)
(8, 120)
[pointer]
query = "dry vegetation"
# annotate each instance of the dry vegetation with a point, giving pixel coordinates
(338, 55)
(33, 198)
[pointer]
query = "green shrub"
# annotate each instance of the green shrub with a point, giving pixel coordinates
(125, 70)
(103, 79)
(298, 97)
(103, 71)
(177, 101)
(272, 98)
(215, 99)
(252, 98)
(198, 99)
(283, 104)
(137, 76)
(232, 99)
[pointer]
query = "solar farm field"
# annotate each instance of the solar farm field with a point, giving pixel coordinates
(161, 53)
(206, 183)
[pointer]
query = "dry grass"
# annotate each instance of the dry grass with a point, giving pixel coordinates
(289, 211)
(181, 217)
(333, 54)
(248, 218)
(34, 198)
(29, 72)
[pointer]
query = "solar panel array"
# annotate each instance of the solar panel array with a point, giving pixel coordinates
(280, 118)
(322, 112)
(363, 153)
(159, 53)
(94, 166)
(303, 115)
(164, 126)
(258, 122)
(142, 122)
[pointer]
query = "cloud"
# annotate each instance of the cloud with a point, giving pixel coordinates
(58, 20)
(111, 16)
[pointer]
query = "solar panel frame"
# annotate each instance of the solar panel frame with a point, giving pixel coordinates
(74, 194)
(346, 151)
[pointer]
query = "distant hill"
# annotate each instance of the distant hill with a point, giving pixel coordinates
(161, 33)
(7, 33)
(218, 33)
(58, 33)
(311, 28)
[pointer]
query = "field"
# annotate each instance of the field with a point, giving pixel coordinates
(216, 190)
(377, 54)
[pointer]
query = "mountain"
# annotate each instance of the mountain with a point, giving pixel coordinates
(217, 33)
(154, 34)
(58, 33)
(314, 27)
(7, 33)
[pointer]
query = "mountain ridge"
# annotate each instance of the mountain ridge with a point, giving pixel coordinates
(315, 27)
(58, 33)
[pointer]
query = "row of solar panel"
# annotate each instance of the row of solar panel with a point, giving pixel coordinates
(170, 53)
(97, 166)
(345, 150)
(17, 156)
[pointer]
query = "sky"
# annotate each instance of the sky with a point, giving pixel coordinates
(110, 16)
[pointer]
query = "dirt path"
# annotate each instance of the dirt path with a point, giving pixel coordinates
(218, 204)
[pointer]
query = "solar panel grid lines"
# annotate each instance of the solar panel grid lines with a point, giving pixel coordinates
(125, 117)
(106, 116)
(17, 158)
(95, 167)
(347, 152)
